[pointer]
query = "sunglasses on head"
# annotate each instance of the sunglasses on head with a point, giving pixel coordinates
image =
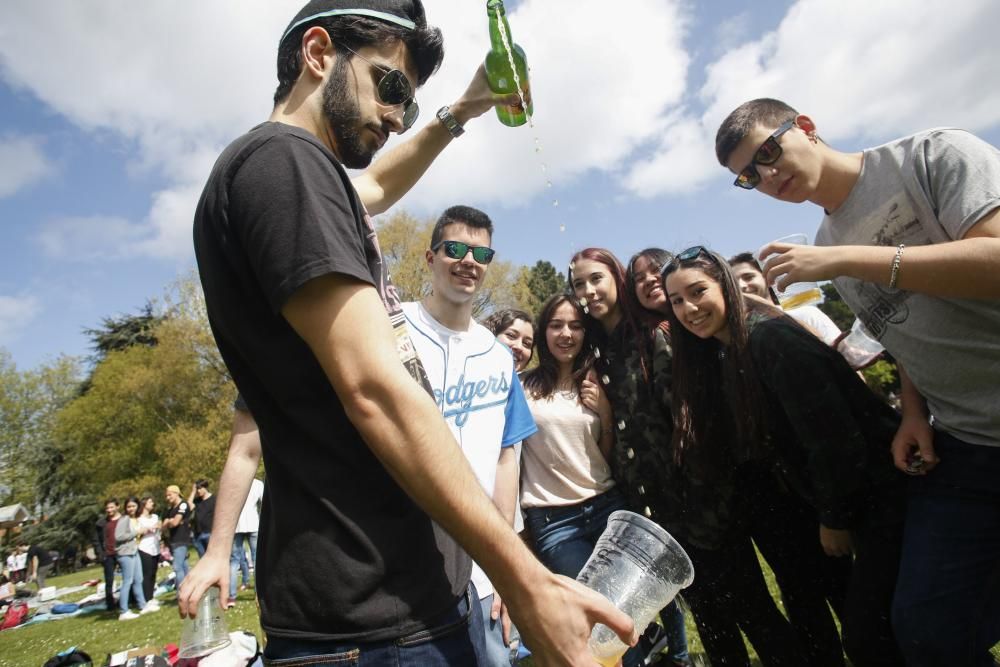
(458, 250)
(394, 89)
(767, 153)
(693, 252)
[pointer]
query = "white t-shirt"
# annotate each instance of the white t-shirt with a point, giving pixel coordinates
(149, 544)
(249, 520)
(817, 322)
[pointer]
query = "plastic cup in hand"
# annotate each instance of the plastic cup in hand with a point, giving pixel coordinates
(640, 568)
(858, 347)
(207, 631)
(797, 294)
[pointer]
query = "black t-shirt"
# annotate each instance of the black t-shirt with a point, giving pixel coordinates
(204, 512)
(42, 554)
(343, 552)
(180, 535)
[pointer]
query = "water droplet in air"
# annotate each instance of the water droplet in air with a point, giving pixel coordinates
(555, 202)
(562, 228)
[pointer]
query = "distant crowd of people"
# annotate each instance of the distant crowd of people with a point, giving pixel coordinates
(136, 542)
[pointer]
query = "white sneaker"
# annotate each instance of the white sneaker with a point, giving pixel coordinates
(127, 616)
(150, 607)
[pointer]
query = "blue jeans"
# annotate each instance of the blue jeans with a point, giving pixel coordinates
(131, 581)
(497, 654)
(201, 543)
(947, 605)
(564, 539)
(456, 639)
(238, 559)
(180, 554)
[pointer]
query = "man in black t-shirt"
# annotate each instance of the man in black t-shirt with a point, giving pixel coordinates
(175, 522)
(363, 476)
(39, 564)
(204, 512)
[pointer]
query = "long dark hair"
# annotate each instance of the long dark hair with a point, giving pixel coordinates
(138, 507)
(657, 257)
(628, 327)
(709, 414)
(541, 380)
(499, 320)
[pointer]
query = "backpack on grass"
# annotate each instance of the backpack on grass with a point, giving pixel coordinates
(71, 657)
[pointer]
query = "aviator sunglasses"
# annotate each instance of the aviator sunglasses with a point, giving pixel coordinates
(767, 154)
(394, 89)
(458, 250)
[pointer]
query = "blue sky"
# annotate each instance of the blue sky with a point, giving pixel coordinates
(111, 115)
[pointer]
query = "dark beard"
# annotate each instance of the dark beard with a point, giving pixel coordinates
(340, 106)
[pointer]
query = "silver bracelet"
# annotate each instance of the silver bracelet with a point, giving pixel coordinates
(895, 265)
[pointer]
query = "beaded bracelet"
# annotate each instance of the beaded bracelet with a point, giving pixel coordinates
(895, 265)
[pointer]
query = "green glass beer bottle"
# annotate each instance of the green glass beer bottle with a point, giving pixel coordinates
(498, 70)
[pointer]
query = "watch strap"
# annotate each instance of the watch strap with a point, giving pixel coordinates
(449, 122)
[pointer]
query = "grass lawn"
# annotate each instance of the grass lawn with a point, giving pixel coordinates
(101, 633)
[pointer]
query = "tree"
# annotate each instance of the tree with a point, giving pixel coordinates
(154, 415)
(835, 308)
(29, 404)
(119, 333)
(536, 284)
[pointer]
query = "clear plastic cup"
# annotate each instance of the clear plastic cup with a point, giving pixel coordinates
(640, 568)
(858, 347)
(797, 294)
(206, 632)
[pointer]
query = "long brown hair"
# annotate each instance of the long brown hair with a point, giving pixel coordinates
(541, 380)
(718, 406)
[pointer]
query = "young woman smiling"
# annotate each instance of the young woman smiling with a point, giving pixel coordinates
(633, 364)
(761, 405)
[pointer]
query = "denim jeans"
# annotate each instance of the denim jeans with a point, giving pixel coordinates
(564, 539)
(456, 639)
(238, 559)
(131, 581)
(180, 554)
(947, 605)
(201, 543)
(497, 654)
(110, 562)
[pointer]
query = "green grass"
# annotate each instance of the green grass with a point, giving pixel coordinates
(101, 633)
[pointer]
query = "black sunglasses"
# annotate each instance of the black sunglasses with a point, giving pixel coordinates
(394, 88)
(768, 153)
(684, 256)
(458, 250)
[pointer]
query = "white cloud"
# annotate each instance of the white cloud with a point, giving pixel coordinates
(602, 83)
(184, 78)
(22, 163)
(89, 238)
(16, 313)
(863, 70)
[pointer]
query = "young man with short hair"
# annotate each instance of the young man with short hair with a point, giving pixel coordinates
(105, 534)
(474, 381)
(911, 239)
(204, 511)
(366, 500)
(175, 522)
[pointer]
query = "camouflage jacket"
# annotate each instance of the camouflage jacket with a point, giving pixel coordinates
(696, 512)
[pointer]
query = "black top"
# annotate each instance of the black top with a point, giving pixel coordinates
(180, 535)
(831, 433)
(44, 558)
(204, 512)
(344, 553)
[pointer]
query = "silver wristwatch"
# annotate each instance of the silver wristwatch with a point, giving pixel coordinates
(449, 122)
